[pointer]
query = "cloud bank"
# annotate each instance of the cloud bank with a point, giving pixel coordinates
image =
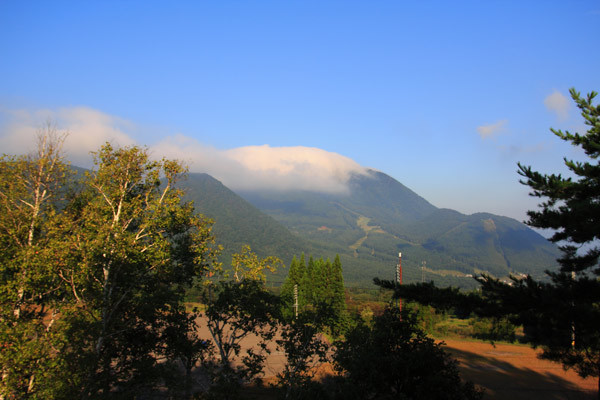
(487, 131)
(87, 130)
(252, 167)
(558, 104)
(265, 167)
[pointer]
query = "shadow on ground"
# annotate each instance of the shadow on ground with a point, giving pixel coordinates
(503, 380)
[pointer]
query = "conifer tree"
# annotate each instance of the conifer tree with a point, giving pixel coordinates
(307, 287)
(320, 287)
(569, 330)
(562, 316)
(320, 282)
(337, 290)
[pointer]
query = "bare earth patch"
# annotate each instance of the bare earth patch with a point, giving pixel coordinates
(514, 372)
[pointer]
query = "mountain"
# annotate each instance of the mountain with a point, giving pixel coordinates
(379, 217)
(237, 222)
(367, 226)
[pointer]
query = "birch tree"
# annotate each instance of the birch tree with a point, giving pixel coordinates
(30, 189)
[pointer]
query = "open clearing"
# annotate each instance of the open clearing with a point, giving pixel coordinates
(505, 371)
(513, 372)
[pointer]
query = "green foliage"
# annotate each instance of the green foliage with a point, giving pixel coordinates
(234, 311)
(493, 329)
(131, 248)
(427, 317)
(443, 299)
(395, 358)
(238, 223)
(569, 332)
(102, 277)
(320, 285)
(305, 349)
(292, 284)
(400, 220)
(247, 265)
(31, 189)
(561, 316)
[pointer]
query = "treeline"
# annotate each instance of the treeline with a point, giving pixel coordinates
(316, 285)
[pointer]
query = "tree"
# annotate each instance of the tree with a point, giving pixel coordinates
(338, 295)
(568, 325)
(31, 187)
(290, 287)
(320, 286)
(561, 316)
(238, 310)
(129, 249)
(247, 265)
(304, 348)
(395, 359)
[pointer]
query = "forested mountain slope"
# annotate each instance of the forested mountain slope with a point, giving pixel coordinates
(237, 222)
(379, 217)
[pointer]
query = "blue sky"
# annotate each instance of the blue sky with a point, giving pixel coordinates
(445, 97)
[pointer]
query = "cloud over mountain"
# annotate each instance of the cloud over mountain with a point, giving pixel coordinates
(265, 167)
(257, 167)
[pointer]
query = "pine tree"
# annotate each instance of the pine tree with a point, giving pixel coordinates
(562, 316)
(320, 288)
(320, 282)
(567, 324)
(306, 289)
(338, 292)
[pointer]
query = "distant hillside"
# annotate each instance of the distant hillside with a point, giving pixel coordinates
(367, 227)
(380, 217)
(237, 222)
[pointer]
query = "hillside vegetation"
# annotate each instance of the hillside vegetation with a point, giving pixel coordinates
(367, 227)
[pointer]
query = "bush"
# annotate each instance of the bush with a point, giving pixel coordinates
(395, 358)
(494, 329)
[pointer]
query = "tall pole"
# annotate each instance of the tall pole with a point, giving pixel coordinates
(573, 276)
(399, 278)
(296, 300)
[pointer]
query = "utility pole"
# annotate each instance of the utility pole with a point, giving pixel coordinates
(296, 300)
(399, 279)
(423, 264)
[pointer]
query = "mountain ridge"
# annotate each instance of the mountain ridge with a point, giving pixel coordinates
(445, 239)
(368, 226)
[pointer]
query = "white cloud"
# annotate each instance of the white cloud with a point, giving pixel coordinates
(252, 167)
(265, 167)
(486, 131)
(558, 103)
(87, 130)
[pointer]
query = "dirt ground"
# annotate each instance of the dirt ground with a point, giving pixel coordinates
(505, 371)
(513, 372)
